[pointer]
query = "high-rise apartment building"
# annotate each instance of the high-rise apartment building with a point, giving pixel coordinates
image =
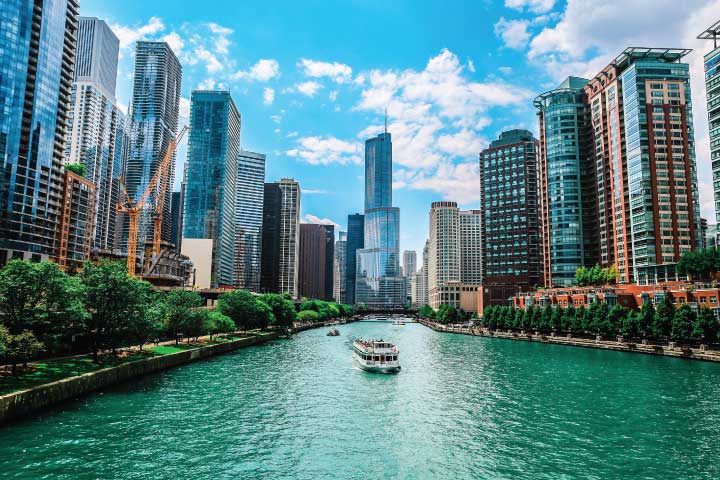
(313, 261)
(567, 186)
(153, 115)
(510, 228)
(471, 244)
(443, 252)
(37, 41)
(409, 262)
(248, 221)
(355, 241)
(77, 219)
(280, 237)
(96, 124)
(378, 279)
(340, 263)
(210, 190)
(712, 86)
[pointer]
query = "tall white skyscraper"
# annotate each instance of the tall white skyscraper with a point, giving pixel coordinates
(470, 247)
(95, 130)
(444, 252)
(248, 218)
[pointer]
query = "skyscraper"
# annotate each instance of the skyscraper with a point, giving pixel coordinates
(355, 241)
(409, 262)
(378, 280)
(567, 185)
(249, 217)
(210, 190)
(471, 272)
(154, 123)
(280, 237)
(712, 85)
(96, 124)
(443, 253)
(312, 261)
(340, 263)
(176, 210)
(37, 41)
(329, 258)
(510, 229)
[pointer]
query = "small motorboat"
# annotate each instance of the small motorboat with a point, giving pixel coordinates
(334, 333)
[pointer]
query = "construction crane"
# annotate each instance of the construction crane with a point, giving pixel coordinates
(158, 181)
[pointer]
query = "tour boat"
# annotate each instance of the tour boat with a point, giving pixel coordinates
(376, 356)
(333, 333)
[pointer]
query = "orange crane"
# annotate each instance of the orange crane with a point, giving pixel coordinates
(159, 182)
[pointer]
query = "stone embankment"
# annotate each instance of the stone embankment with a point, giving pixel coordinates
(619, 344)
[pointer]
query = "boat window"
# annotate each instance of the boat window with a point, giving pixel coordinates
(377, 358)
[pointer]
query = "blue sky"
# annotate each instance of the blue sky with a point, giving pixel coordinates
(312, 79)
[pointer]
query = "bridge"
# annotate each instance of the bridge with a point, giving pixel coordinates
(366, 312)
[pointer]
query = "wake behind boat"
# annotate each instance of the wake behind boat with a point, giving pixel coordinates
(376, 356)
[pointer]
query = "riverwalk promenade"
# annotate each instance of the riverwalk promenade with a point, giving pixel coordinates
(619, 344)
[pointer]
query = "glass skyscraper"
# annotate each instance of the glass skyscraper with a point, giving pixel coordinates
(712, 85)
(280, 237)
(154, 123)
(355, 241)
(37, 41)
(210, 189)
(249, 218)
(378, 280)
(566, 183)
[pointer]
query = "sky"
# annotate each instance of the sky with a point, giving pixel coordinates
(312, 80)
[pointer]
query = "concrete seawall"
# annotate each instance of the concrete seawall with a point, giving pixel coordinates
(18, 404)
(630, 347)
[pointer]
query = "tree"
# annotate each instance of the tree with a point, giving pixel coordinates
(283, 310)
(615, 319)
(682, 323)
(426, 311)
(646, 320)
(41, 298)
(545, 318)
(581, 276)
(195, 324)
(700, 264)
(113, 301)
(147, 322)
(706, 326)
(662, 323)
(21, 348)
(308, 316)
(219, 323)
(578, 325)
(630, 324)
(568, 318)
(76, 168)
(179, 308)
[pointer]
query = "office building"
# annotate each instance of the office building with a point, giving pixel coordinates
(96, 125)
(77, 219)
(329, 259)
(210, 189)
(176, 213)
(313, 261)
(378, 281)
(471, 251)
(443, 252)
(409, 262)
(355, 241)
(153, 115)
(249, 218)
(340, 263)
(280, 237)
(712, 86)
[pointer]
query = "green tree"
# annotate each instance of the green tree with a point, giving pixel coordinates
(662, 323)
(646, 320)
(21, 348)
(242, 307)
(630, 324)
(180, 306)
(581, 276)
(615, 319)
(568, 318)
(113, 301)
(308, 316)
(706, 326)
(219, 323)
(682, 323)
(76, 168)
(426, 311)
(579, 323)
(700, 264)
(556, 319)
(545, 319)
(283, 310)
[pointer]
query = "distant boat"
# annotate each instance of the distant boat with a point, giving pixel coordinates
(334, 333)
(398, 321)
(376, 356)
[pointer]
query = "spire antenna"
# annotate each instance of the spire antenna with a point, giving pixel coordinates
(385, 120)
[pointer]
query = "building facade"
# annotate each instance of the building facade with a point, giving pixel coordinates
(77, 219)
(443, 252)
(409, 262)
(248, 221)
(313, 260)
(712, 86)
(176, 215)
(355, 241)
(37, 40)
(378, 281)
(280, 237)
(471, 247)
(96, 124)
(154, 111)
(339, 277)
(210, 189)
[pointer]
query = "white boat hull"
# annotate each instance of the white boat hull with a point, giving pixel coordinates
(377, 368)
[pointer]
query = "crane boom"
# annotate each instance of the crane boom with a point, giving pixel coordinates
(133, 208)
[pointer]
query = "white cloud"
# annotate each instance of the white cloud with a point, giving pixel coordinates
(129, 35)
(268, 96)
(317, 220)
(207, 84)
(184, 111)
(309, 88)
(506, 70)
(338, 72)
(212, 64)
(311, 191)
(471, 65)
(326, 150)
(332, 96)
(276, 118)
(535, 6)
(221, 41)
(464, 143)
(292, 134)
(175, 41)
(264, 70)
(514, 33)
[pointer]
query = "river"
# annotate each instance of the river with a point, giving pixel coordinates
(462, 407)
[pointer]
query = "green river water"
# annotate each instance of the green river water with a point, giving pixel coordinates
(462, 407)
